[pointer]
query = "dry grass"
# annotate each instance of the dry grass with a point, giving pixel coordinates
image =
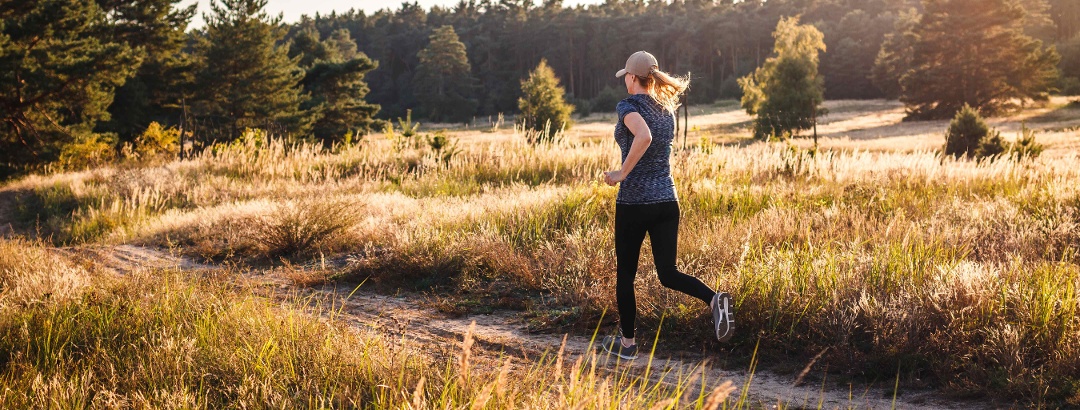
(961, 273)
(31, 275)
(165, 339)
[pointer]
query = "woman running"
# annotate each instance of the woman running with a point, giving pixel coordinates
(646, 202)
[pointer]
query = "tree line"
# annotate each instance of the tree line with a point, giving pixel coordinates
(717, 42)
(80, 80)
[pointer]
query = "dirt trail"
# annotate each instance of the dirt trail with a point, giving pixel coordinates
(501, 335)
(126, 259)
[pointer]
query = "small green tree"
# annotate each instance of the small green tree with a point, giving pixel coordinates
(543, 101)
(1025, 146)
(409, 132)
(607, 99)
(991, 145)
(444, 147)
(969, 136)
(786, 92)
(444, 82)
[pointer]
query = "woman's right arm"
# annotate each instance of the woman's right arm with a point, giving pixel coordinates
(642, 140)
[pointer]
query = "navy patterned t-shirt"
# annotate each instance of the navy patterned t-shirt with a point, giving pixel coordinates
(650, 181)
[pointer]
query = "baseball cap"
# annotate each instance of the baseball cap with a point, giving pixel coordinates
(640, 64)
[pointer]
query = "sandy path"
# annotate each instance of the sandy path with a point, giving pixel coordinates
(501, 335)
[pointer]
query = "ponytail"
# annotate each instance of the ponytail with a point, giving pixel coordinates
(665, 88)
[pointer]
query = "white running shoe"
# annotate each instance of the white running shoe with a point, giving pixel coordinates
(723, 313)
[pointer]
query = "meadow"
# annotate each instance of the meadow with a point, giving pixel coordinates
(872, 252)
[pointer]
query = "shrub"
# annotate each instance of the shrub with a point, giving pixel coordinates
(348, 140)
(408, 127)
(90, 151)
(444, 147)
(583, 106)
(306, 226)
(730, 88)
(156, 143)
(1025, 146)
(965, 132)
(991, 145)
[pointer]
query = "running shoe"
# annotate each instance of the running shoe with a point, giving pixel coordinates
(723, 313)
(613, 345)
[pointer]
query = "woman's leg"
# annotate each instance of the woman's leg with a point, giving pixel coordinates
(629, 234)
(664, 236)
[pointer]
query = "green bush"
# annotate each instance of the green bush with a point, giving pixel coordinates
(156, 143)
(409, 131)
(583, 106)
(444, 147)
(1025, 146)
(969, 136)
(965, 132)
(89, 151)
(991, 146)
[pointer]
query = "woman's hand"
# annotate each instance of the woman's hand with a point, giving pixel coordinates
(614, 177)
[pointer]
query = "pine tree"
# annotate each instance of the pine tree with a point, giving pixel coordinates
(58, 71)
(444, 83)
(248, 79)
(543, 103)
(334, 78)
(786, 92)
(974, 52)
(163, 80)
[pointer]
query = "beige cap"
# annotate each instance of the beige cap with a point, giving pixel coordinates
(640, 64)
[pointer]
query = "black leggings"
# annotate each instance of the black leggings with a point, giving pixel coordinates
(661, 222)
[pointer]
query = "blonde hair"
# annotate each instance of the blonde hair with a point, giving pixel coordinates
(665, 88)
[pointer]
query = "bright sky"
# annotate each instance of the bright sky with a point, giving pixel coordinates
(293, 9)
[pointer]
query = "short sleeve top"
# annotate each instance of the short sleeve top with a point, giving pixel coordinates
(650, 181)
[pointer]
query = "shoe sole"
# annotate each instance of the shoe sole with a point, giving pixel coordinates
(607, 349)
(724, 316)
(620, 355)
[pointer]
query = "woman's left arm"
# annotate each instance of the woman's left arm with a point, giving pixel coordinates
(642, 140)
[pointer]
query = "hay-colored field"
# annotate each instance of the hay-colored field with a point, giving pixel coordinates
(886, 258)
